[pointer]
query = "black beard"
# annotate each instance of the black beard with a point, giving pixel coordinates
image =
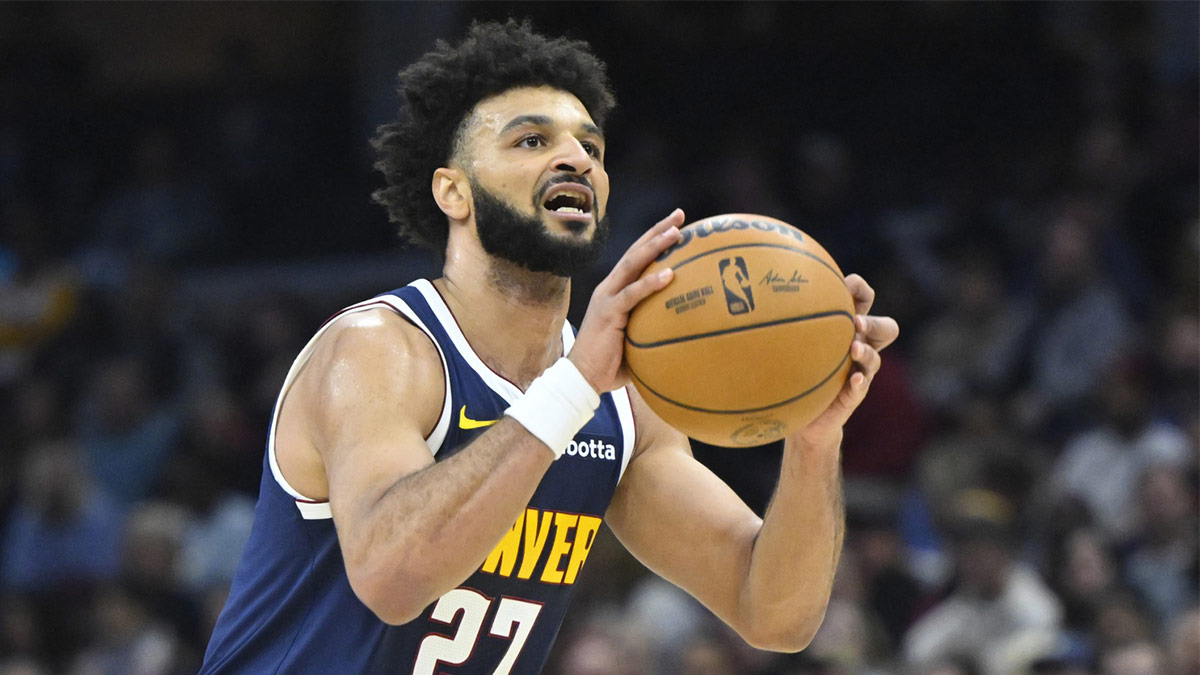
(523, 240)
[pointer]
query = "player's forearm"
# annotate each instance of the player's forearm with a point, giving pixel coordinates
(796, 553)
(433, 528)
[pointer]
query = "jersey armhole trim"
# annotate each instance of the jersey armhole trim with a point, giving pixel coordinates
(311, 509)
(628, 428)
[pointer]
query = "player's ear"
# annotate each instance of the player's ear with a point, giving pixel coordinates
(452, 192)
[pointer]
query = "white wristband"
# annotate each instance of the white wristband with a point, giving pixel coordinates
(556, 405)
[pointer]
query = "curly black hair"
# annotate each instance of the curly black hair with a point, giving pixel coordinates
(440, 89)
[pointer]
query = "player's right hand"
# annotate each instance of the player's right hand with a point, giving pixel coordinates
(599, 348)
(872, 334)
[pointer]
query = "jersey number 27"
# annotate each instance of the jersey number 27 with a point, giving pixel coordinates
(514, 620)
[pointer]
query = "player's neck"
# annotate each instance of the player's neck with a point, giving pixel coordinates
(512, 317)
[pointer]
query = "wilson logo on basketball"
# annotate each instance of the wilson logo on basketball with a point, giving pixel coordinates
(735, 277)
(721, 224)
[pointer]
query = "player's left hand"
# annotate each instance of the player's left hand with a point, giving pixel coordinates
(871, 335)
(599, 347)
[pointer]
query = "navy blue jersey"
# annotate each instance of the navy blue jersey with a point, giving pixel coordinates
(291, 609)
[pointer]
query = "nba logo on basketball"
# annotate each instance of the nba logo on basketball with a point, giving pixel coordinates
(735, 277)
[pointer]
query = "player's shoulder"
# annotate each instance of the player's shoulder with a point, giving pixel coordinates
(370, 354)
(376, 338)
(376, 322)
(364, 361)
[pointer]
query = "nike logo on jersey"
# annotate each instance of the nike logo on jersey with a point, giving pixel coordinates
(465, 422)
(592, 448)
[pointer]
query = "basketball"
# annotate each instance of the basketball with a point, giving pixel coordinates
(751, 338)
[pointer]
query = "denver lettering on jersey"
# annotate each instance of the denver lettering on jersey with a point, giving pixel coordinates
(569, 537)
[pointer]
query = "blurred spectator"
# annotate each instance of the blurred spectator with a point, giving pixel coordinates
(911, 234)
(218, 521)
(150, 568)
(595, 652)
(706, 656)
(270, 328)
(40, 413)
(850, 637)
(1081, 324)
(36, 416)
(127, 436)
(64, 530)
(1108, 166)
(1121, 618)
(38, 292)
(1136, 658)
(1164, 560)
(128, 640)
(1106, 159)
(1085, 573)
(220, 449)
(146, 317)
(890, 593)
(143, 316)
(1001, 615)
(1101, 465)
(1065, 659)
(974, 344)
(1177, 361)
(20, 631)
(602, 641)
(667, 619)
(977, 446)
(926, 549)
(951, 215)
(1183, 643)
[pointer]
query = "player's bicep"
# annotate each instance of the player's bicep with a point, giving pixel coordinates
(680, 520)
(379, 389)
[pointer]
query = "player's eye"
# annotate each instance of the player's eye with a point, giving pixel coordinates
(531, 141)
(591, 148)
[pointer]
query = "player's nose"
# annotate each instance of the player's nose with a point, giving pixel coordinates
(572, 157)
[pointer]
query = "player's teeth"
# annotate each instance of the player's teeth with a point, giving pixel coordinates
(568, 209)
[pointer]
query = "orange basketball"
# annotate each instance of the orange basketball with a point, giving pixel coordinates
(750, 340)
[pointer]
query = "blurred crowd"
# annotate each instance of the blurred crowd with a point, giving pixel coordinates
(1019, 183)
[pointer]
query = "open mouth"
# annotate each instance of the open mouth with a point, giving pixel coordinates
(569, 199)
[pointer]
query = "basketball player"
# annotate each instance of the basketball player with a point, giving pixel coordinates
(441, 456)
